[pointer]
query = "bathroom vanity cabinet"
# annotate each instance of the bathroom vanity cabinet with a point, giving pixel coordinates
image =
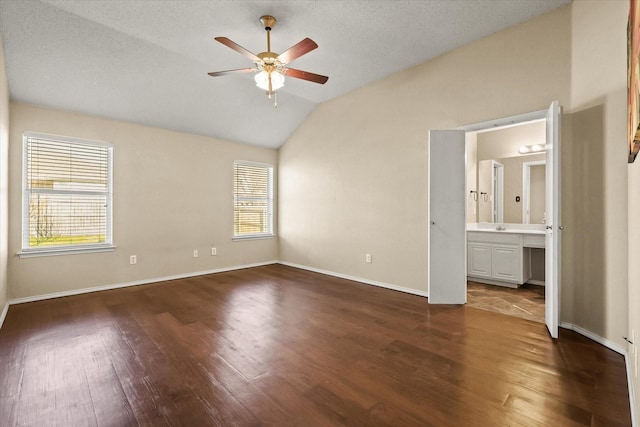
(501, 257)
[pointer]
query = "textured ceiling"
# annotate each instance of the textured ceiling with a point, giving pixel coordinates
(147, 61)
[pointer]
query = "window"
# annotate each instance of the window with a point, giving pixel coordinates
(67, 195)
(252, 200)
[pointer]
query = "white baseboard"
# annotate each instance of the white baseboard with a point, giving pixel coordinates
(605, 342)
(4, 314)
(135, 283)
(357, 279)
(632, 399)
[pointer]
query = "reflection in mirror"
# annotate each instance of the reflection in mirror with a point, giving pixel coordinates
(509, 184)
(485, 186)
(498, 192)
(533, 189)
(511, 190)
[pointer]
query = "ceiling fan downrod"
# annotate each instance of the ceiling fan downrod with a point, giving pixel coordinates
(269, 22)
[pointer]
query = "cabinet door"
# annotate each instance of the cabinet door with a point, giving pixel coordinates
(506, 262)
(479, 260)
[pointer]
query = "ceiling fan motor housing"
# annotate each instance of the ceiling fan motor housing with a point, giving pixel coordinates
(268, 22)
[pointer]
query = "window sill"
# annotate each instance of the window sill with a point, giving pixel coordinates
(254, 237)
(66, 251)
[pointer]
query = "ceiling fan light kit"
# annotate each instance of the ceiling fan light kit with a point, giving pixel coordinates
(272, 67)
(264, 78)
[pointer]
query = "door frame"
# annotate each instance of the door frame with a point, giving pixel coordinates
(554, 285)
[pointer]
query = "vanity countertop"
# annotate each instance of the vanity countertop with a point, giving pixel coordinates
(535, 229)
(511, 231)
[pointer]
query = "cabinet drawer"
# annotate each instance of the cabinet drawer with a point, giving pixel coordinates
(533, 241)
(497, 237)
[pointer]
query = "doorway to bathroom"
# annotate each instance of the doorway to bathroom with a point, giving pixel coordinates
(497, 250)
(506, 191)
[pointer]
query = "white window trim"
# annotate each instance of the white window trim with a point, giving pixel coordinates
(27, 252)
(33, 253)
(256, 236)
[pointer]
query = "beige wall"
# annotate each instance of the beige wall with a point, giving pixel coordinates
(633, 193)
(353, 178)
(4, 176)
(594, 172)
(172, 194)
(505, 142)
(634, 276)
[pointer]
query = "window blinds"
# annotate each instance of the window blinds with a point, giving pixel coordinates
(67, 192)
(253, 199)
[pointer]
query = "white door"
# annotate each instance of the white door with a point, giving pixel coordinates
(447, 217)
(553, 227)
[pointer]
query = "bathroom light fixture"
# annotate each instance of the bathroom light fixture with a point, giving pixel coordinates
(531, 149)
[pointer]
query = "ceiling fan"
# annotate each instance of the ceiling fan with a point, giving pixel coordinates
(270, 66)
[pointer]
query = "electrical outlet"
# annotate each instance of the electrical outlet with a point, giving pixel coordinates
(133, 259)
(214, 251)
(195, 253)
(367, 258)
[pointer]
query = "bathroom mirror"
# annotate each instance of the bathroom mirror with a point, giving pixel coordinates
(505, 174)
(511, 190)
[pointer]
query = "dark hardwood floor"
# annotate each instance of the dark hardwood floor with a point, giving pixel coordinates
(279, 346)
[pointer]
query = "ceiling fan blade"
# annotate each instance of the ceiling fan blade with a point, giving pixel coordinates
(235, 46)
(226, 72)
(305, 75)
(297, 50)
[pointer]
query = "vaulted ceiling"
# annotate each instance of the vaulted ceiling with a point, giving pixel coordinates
(147, 61)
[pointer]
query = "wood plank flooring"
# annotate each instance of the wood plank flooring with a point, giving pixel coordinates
(279, 346)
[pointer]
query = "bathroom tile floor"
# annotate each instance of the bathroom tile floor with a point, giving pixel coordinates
(526, 302)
